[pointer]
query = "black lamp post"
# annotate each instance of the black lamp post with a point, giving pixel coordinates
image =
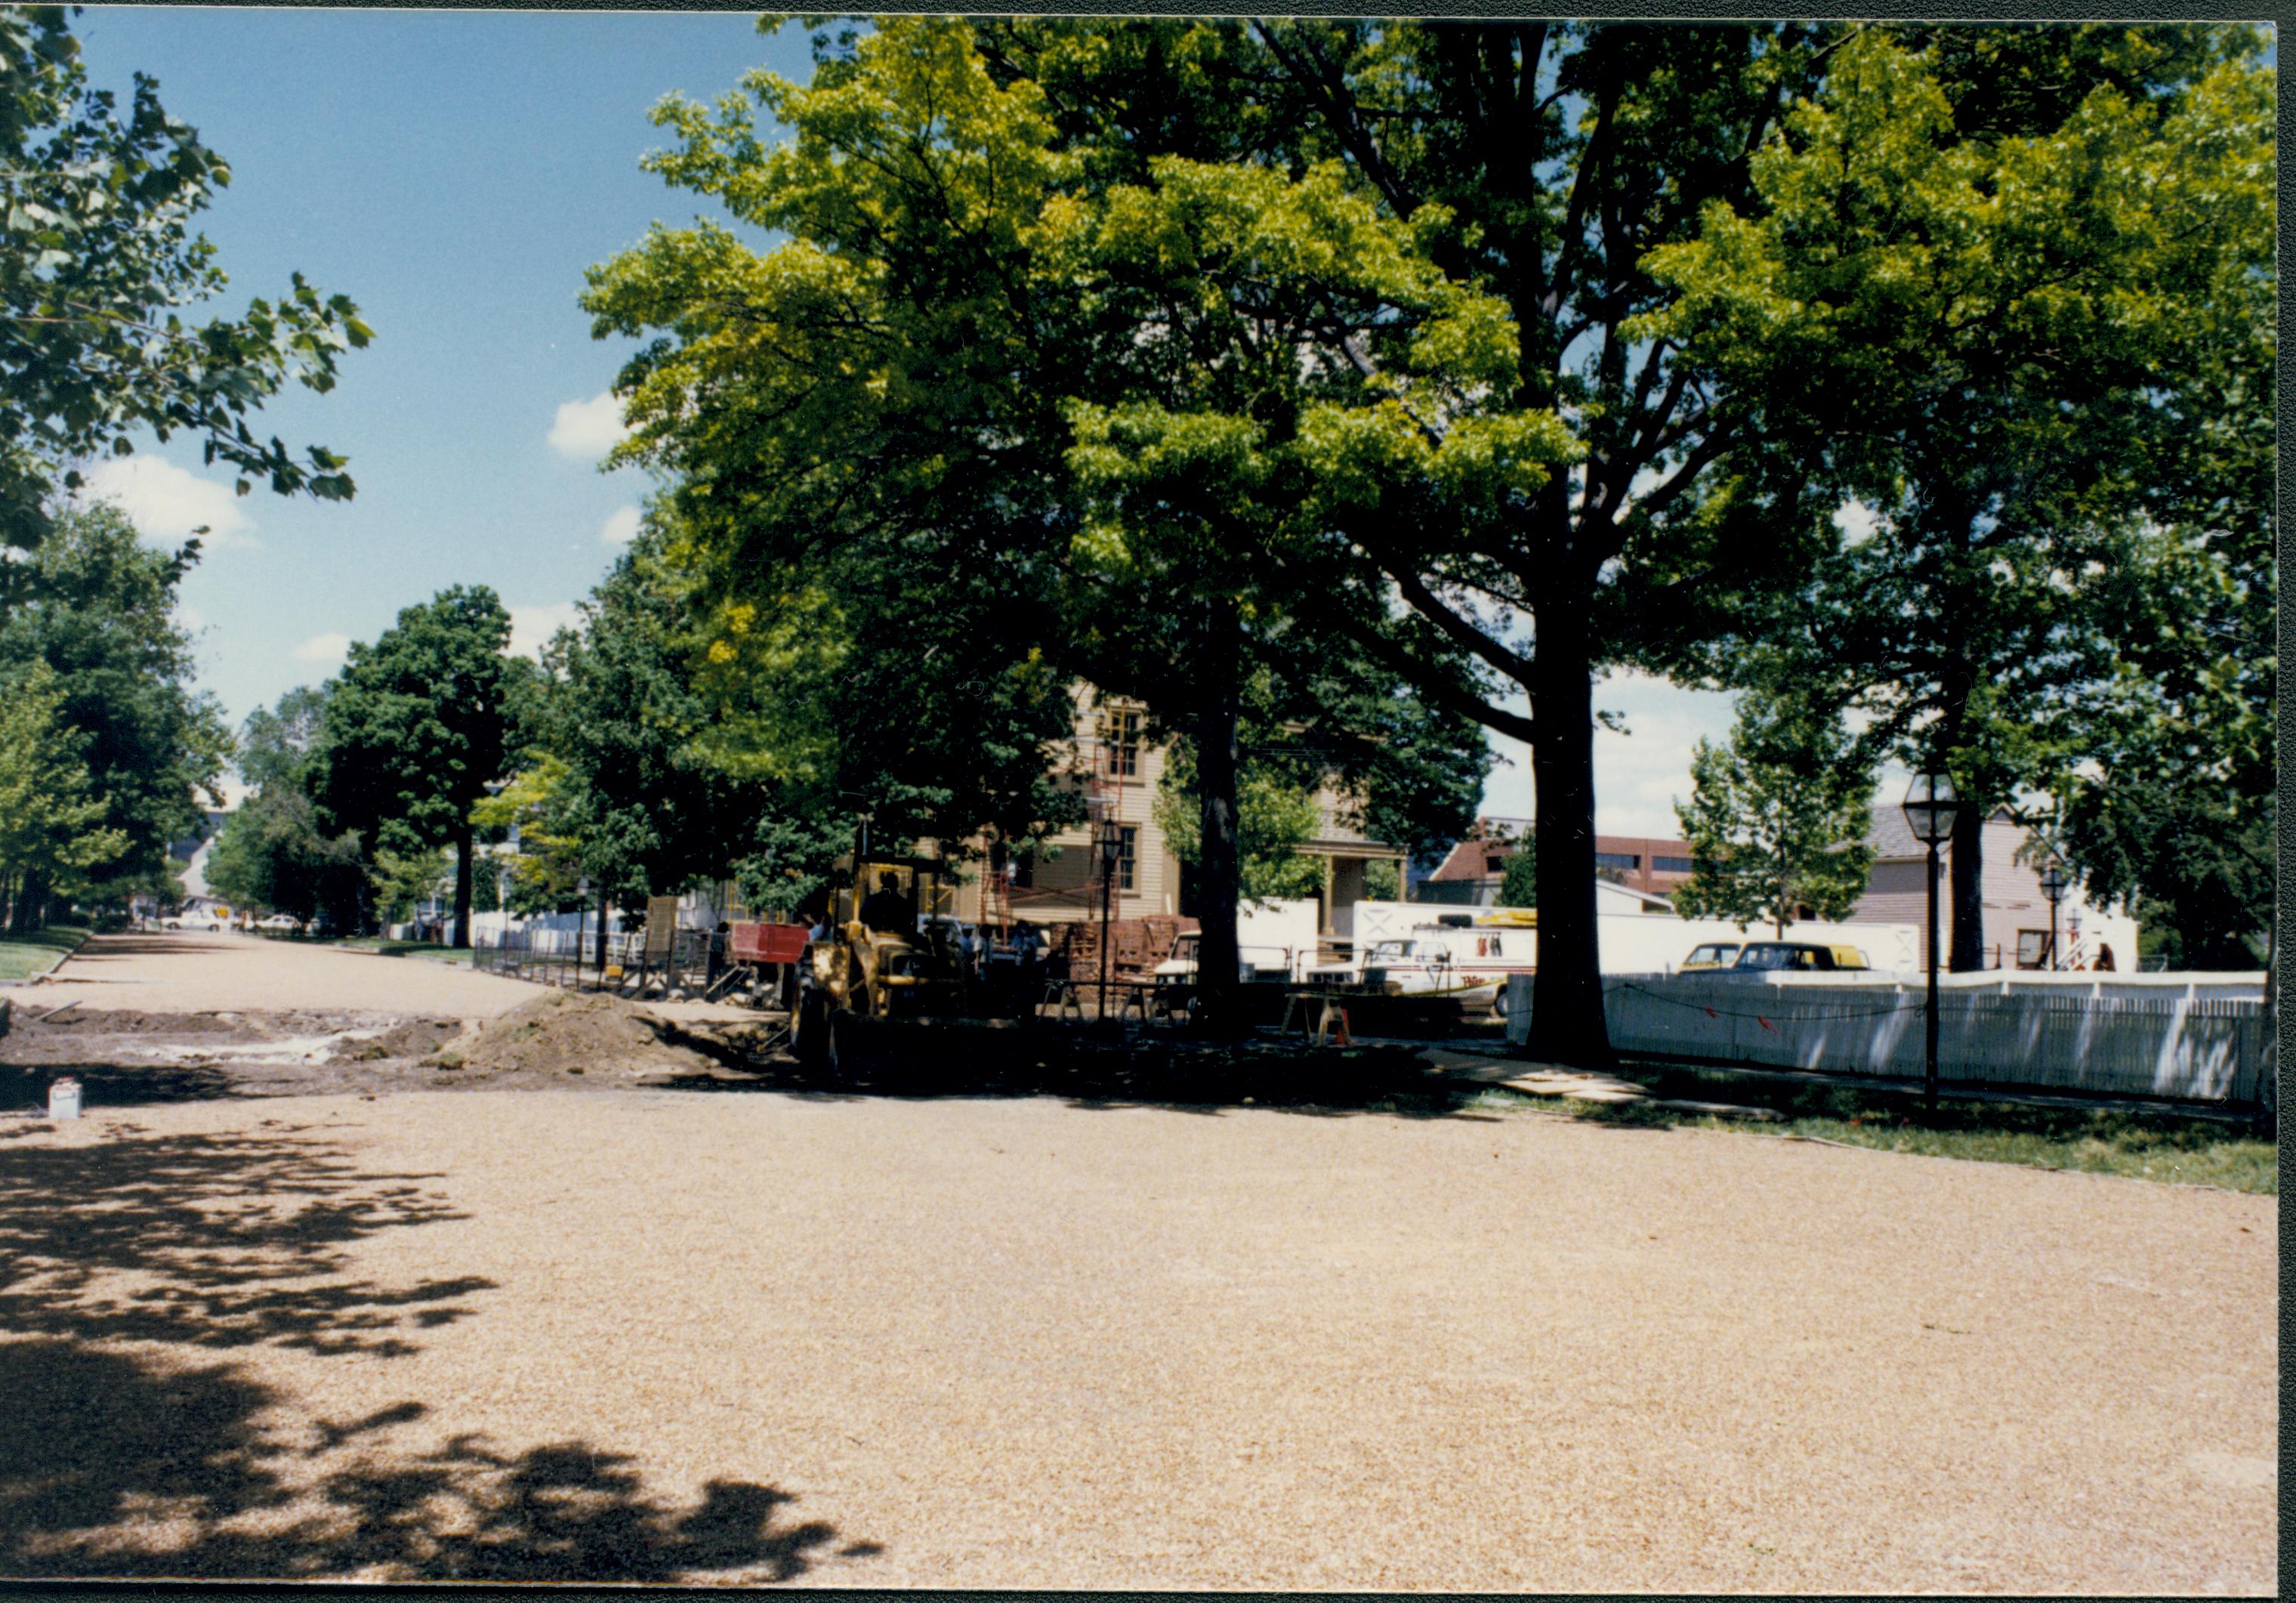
(2054, 885)
(1105, 843)
(1930, 807)
(1111, 851)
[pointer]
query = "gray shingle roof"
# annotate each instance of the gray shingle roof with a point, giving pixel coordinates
(1891, 837)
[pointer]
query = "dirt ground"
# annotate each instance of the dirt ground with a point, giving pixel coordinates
(719, 1324)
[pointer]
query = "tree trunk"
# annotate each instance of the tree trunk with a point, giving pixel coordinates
(1967, 874)
(1219, 864)
(462, 867)
(1566, 1007)
(32, 898)
(605, 912)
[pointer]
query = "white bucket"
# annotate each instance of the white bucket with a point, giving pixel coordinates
(63, 1099)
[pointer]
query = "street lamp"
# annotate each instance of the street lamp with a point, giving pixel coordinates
(1109, 842)
(1930, 807)
(2054, 885)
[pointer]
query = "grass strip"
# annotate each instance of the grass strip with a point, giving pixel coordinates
(23, 956)
(2133, 1144)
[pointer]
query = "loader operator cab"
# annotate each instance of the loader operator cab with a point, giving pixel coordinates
(885, 909)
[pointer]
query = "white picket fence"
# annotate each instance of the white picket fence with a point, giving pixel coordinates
(2194, 1049)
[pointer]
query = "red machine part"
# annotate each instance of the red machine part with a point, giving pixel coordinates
(765, 943)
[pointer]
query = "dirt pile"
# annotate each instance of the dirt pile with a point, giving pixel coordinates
(564, 1033)
(415, 1037)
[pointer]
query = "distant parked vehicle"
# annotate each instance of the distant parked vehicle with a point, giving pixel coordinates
(279, 921)
(1712, 954)
(1468, 964)
(1797, 957)
(192, 921)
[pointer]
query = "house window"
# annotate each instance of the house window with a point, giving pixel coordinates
(1618, 859)
(1495, 865)
(1127, 854)
(2032, 949)
(1672, 865)
(1122, 731)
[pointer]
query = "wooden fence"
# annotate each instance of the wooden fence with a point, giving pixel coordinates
(2198, 1049)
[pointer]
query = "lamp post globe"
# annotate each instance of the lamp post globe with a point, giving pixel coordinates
(1930, 807)
(2054, 885)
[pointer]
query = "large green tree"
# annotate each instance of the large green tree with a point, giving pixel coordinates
(272, 851)
(98, 609)
(624, 799)
(875, 679)
(52, 831)
(1983, 280)
(419, 723)
(98, 261)
(983, 353)
(1534, 166)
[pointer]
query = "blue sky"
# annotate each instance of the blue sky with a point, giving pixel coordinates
(454, 173)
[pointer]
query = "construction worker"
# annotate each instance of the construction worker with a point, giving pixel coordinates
(885, 909)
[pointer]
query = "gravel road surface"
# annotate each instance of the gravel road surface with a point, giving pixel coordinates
(187, 973)
(1022, 1343)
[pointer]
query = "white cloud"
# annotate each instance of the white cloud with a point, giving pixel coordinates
(166, 503)
(621, 528)
(531, 627)
(589, 429)
(322, 651)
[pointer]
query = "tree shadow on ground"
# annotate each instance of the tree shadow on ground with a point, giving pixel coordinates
(119, 1465)
(211, 1240)
(155, 1460)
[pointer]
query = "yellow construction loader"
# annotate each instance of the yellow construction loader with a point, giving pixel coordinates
(880, 963)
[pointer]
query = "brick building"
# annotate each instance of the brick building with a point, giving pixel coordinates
(1468, 875)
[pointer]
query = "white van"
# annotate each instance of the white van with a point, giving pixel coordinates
(1276, 941)
(1470, 965)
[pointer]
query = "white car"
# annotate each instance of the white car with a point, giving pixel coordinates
(191, 921)
(279, 921)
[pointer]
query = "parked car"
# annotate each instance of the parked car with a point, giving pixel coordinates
(278, 921)
(1797, 957)
(192, 921)
(1712, 954)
